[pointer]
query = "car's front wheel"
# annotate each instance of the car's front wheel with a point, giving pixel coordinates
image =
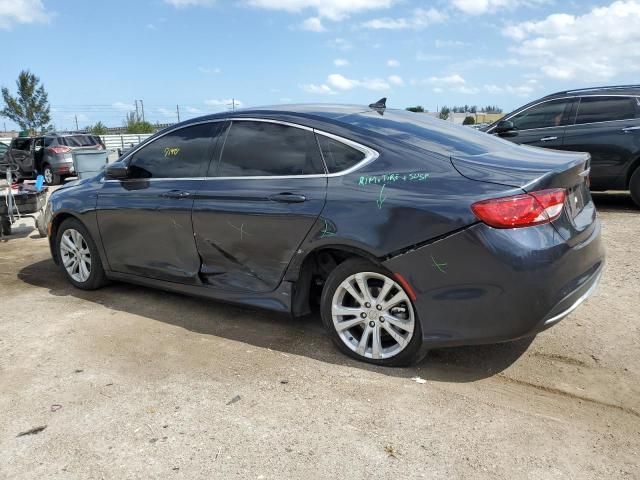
(370, 316)
(79, 256)
(50, 177)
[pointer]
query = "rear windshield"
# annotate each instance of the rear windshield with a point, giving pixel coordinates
(78, 141)
(424, 131)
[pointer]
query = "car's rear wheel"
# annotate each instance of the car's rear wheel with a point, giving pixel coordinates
(370, 316)
(634, 186)
(79, 256)
(50, 177)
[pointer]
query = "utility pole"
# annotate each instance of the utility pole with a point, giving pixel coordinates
(178, 111)
(142, 107)
(137, 114)
(233, 104)
(77, 123)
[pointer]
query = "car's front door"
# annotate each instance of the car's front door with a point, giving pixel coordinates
(608, 127)
(145, 219)
(21, 155)
(542, 125)
(267, 189)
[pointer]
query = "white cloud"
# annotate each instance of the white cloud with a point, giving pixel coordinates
(190, 3)
(125, 107)
(313, 24)
(318, 89)
(525, 89)
(209, 70)
(452, 83)
(193, 110)
(429, 57)
(343, 83)
(421, 18)
(341, 62)
(340, 44)
(13, 12)
(225, 102)
(165, 112)
(396, 80)
(332, 9)
(479, 7)
(599, 45)
(392, 62)
(450, 43)
(454, 79)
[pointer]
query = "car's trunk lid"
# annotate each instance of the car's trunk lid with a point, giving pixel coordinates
(533, 169)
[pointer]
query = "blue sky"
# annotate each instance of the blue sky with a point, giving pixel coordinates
(95, 58)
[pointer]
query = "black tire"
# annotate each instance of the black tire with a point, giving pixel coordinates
(97, 277)
(634, 186)
(50, 178)
(414, 350)
(6, 226)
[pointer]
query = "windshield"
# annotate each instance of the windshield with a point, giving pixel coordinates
(78, 141)
(424, 131)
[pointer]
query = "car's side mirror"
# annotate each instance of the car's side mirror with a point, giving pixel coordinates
(504, 126)
(117, 171)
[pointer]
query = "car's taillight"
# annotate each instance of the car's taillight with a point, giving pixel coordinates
(524, 210)
(59, 149)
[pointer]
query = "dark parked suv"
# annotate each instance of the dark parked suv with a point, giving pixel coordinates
(49, 155)
(603, 121)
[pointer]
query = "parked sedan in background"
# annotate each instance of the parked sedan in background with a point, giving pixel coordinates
(50, 155)
(603, 121)
(406, 232)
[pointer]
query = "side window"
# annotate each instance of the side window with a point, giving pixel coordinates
(337, 155)
(48, 141)
(547, 114)
(605, 109)
(22, 144)
(269, 149)
(184, 153)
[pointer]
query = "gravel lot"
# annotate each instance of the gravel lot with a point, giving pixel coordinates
(136, 383)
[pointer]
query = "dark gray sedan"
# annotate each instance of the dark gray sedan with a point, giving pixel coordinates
(404, 231)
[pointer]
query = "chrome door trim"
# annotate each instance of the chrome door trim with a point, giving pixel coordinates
(369, 154)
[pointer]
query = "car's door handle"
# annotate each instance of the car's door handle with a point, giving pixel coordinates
(288, 198)
(175, 194)
(548, 139)
(630, 129)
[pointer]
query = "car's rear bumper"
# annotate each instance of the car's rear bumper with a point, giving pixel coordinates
(485, 285)
(62, 166)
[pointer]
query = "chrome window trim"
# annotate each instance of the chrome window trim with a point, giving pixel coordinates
(369, 154)
(579, 97)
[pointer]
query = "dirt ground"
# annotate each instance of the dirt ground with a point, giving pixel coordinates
(136, 383)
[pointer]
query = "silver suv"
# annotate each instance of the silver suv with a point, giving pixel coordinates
(49, 155)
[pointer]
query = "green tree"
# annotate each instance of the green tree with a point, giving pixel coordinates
(99, 129)
(30, 108)
(133, 124)
(469, 120)
(417, 109)
(444, 112)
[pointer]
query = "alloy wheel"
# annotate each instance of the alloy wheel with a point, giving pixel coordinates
(48, 175)
(75, 255)
(373, 315)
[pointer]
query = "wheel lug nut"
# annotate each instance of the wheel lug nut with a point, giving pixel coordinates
(368, 305)
(363, 315)
(372, 323)
(379, 307)
(381, 319)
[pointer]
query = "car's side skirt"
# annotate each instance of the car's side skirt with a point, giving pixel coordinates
(279, 300)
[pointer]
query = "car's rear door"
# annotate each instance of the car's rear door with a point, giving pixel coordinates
(542, 125)
(267, 188)
(145, 219)
(608, 127)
